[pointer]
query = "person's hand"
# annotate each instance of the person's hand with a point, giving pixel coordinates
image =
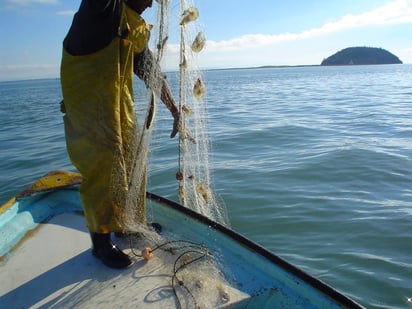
(176, 124)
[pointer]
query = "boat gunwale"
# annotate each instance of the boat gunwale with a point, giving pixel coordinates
(313, 282)
(317, 284)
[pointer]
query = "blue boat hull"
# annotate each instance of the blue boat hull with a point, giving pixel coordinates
(257, 277)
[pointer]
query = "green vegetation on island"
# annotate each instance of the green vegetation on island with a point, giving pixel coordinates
(361, 56)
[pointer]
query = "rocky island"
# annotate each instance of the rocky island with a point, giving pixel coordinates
(361, 56)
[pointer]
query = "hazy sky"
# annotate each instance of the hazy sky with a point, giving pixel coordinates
(239, 33)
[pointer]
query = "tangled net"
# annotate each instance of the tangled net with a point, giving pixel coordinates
(183, 254)
(188, 253)
(195, 190)
(193, 174)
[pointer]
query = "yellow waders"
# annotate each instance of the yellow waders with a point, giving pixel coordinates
(100, 125)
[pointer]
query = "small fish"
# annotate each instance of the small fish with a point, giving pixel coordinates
(198, 43)
(152, 111)
(191, 14)
(198, 89)
(183, 65)
(186, 109)
(203, 190)
(187, 135)
(162, 44)
(182, 192)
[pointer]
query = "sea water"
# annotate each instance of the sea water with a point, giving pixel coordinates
(314, 163)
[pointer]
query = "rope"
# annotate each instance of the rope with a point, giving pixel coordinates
(181, 282)
(199, 251)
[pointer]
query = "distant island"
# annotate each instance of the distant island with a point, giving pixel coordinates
(361, 56)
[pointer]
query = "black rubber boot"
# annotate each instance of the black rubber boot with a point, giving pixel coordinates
(108, 253)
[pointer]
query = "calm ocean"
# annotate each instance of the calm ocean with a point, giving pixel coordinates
(314, 163)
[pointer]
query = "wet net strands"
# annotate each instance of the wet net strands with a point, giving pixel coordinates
(193, 173)
(195, 189)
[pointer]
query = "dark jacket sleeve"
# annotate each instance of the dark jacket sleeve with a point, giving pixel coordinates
(94, 26)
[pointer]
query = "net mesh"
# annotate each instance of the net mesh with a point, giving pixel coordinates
(195, 190)
(195, 185)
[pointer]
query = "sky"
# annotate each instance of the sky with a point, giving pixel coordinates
(239, 33)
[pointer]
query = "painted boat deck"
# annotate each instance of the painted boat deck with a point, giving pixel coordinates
(46, 261)
(54, 267)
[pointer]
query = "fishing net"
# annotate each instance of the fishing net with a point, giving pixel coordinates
(193, 175)
(134, 213)
(195, 188)
(192, 271)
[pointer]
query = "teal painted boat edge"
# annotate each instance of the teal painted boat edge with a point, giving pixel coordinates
(317, 284)
(27, 212)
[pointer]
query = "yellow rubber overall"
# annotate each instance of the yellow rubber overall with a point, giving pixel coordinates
(100, 124)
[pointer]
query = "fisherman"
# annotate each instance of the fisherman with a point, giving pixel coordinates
(106, 43)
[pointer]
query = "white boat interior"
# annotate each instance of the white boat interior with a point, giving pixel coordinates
(46, 262)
